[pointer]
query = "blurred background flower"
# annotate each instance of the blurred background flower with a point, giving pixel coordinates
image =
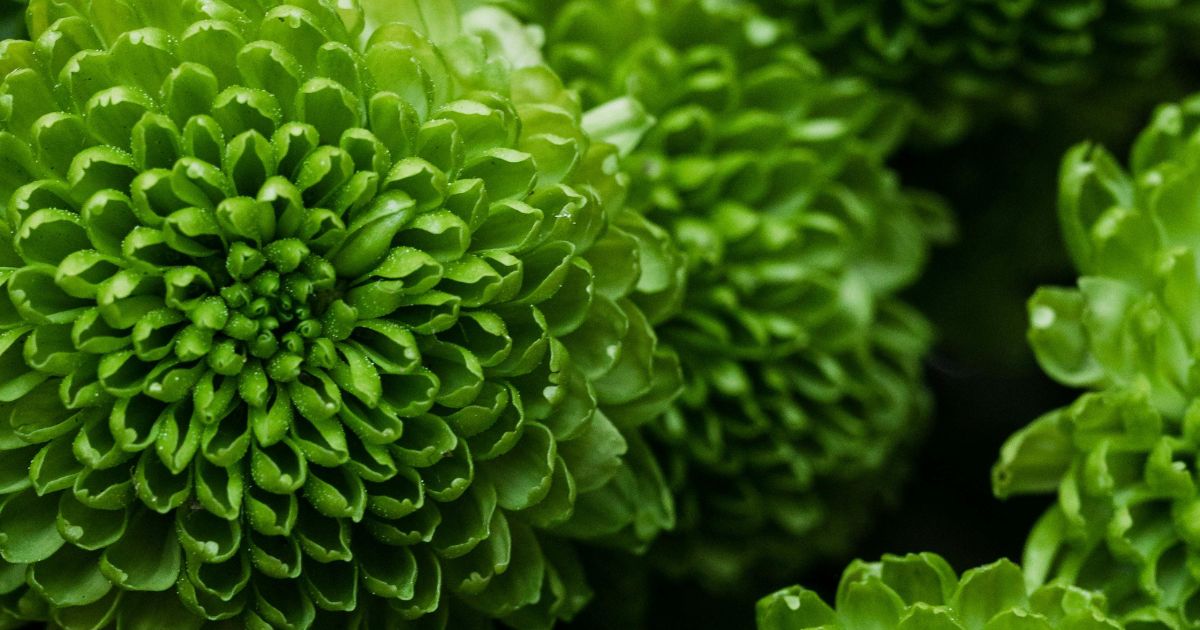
(970, 63)
(802, 369)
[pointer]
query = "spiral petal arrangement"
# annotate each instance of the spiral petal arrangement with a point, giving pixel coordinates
(922, 592)
(964, 58)
(802, 370)
(314, 315)
(1123, 458)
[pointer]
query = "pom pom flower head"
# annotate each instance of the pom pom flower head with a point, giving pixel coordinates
(922, 592)
(314, 316)
(802, 369)
(965, 59)
(1123, 458)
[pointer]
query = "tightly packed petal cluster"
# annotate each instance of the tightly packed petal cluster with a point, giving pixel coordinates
(961, 58)
(313, 315)
(1123, 459)
(802, 370)
(922, 592)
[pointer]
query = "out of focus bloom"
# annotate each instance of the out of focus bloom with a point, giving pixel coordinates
(1123, 459)
(803, 371)
(922, 592)
(970, 59)
(314, 315)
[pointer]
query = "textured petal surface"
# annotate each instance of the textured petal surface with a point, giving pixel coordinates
(966, 61)
(802, 369)
(922, 591)
(1122, 458)
(311, 319)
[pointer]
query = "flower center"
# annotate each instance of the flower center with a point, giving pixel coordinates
(271, 303)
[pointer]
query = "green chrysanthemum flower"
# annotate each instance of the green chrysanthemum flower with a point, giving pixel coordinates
(922, 592)
(314, 316)
(1124, 459)
(802, 369)
(1125, 522)
(964, 58)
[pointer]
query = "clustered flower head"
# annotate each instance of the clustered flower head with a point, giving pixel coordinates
(922, 592)
(373, 313)
(1123, 458)
(1120, 546)
(970, 59)
(803, 371)
(1124, 519)
(314, 315)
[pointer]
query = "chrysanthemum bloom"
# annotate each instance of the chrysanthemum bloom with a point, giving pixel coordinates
(803, 371)
(1123, 459)
(922, 592)
(314, 316)
(970, 59)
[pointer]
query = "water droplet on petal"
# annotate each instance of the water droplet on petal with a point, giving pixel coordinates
(1043, 317)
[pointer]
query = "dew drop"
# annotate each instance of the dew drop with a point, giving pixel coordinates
(1043, 317)
(611, 165)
